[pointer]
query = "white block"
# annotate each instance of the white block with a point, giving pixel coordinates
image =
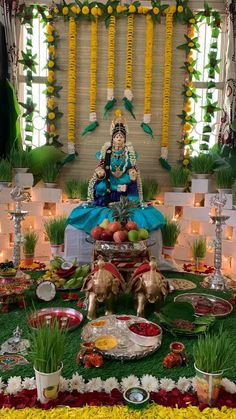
(33, 208)
(46, 195)
(229, 200)
(179, 198)
(167, 210)
(185, 226)
(8, 253)
(7, 226)
(233, 265)
(43, 249)
(228, 248)
(232, 214)
(65, 208)
(210, 258)
(76, 245)
(24, 180)
(193, 213)
(5, 196)
(202, 186)
(182, 253)
(206, 229)
(4, 241)
(185, 239)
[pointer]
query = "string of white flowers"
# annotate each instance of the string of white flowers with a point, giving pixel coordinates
(77, 382)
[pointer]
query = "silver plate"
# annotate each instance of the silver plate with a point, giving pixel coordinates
(126, 348)
(74, 317)
(195, 298)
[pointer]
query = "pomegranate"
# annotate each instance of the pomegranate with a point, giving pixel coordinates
(114, 226)
(96, 232)
(120, 236)
(131, 225)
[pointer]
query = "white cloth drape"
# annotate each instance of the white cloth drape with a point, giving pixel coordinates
(226, 135)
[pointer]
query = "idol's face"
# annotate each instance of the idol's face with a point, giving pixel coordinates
(118, 140)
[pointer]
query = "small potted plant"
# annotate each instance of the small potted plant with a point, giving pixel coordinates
(55, 230)
(225, 179)
(29, 243)
(5, 173)
(72, 190)
(170, 232)
(46, 353)
(150, 189)
(83, 189)
(202, 166)
(179, 177)
(213, 354)
(20, 159)
(199, 251)
(50, 174)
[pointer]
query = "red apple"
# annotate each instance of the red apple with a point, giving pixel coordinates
(106, 236)
(114, 226)
(120, 236)
(131, 225)
(96, 232)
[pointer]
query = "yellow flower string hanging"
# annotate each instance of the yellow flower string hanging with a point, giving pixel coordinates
(111, 100)
(167, 84)
(72, 86)
(128, 95)
(93, 77)
(148, 76)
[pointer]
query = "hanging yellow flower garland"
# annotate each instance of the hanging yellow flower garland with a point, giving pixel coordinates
(166, 88)
(128, 95)
(111, 100)
(72, 86)
(148, 76)
(93, 77)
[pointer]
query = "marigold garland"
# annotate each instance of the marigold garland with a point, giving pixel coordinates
(111, 100)
(166, 88)
(72, 86)
(93, 77)
(148, 75)
(128, 95)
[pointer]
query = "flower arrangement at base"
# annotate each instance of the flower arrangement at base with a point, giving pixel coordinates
(204, 269)
(93, 77)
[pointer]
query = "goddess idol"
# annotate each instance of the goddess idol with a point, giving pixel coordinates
(116, 175)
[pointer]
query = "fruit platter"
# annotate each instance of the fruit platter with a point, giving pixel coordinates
(123, 337)
(205, 304)
(65, 275)
(179, 318)
(7, 269)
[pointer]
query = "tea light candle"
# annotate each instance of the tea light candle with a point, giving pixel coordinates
(197, 204)
(229, 238)
(136, 397)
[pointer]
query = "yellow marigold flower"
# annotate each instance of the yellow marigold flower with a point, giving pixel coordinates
(192, 20)
(50, 29)
(156, 10)
(52, 127)
(119, 8)
(51, 115)
(180, 9)
(140, 9)
(185, 162)
(190, 69)
(109, 10)
(51, 49)
(132, 8)
(65, 11)
(94, 11)
(186, 141)
(124, 8)
(51, 64)
(56, 10)
(190, 83)
(191, 34)
(51, 73)
(190, 44)
(49, 17)
(50, 79)
(145, 10)
(189, 93)
(50, 38)
(85, 10)
(190, 59)
(50, 102)
(50, 89)
(187, 118)
(172, 9)
(190, 54)
(99, 11)
(188, 102)
(187, 127)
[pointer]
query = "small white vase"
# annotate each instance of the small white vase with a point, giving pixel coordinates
(21, 169)
(50, 185)
(56, 249)
(47, 385)
(167, 251)
(207, 386)
(178, 189)
(201, 175)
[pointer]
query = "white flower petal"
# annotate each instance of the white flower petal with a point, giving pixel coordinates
(29, 383)
(64, 384)
(228, 385)
(130, 381)
(1, 384)
(13, 385)
(149, 382)
(96, 384)
(110, 384)
(77, 383)
(184, 384)
(167, 384)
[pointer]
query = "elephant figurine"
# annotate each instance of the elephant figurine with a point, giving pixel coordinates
(148, 285)
(103, 284)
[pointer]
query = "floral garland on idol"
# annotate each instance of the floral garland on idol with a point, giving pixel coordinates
(111, 100)
(103, 399)
(72, 87)
(128, 95)
(93, 73)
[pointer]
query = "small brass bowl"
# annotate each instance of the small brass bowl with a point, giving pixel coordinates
(136, 397)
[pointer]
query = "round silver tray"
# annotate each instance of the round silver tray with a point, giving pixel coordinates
(195, 298)
(126, 348)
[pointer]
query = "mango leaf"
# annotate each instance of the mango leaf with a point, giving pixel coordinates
(179, 310)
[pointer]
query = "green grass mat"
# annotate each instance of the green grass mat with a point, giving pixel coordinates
(149, 365)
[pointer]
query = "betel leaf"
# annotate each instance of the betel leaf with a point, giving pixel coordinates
(179, 310)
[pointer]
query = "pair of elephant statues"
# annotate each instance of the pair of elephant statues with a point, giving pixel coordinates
(105, 282)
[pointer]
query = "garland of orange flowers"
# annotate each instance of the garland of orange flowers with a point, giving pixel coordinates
(128, 95)
(148, 75)
(72, 86)
(93, 77)
(166, 89)
(111, 100)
